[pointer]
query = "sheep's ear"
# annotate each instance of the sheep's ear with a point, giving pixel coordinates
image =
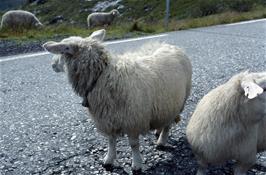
(59, 48)
(251, 89)
(98, 35)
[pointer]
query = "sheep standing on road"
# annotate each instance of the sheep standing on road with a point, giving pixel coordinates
(130, 93)
(19, 19)
(230, 123)
(101, 18)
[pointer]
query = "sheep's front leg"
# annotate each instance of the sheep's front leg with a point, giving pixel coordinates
(111, 153)
(163, 136)
(137, 160)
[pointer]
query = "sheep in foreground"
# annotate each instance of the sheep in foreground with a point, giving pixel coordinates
(101, 18)
(130, 93)
(18, 19)
(230, 123)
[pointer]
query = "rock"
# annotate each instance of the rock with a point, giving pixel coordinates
(37, 2)
(57, 19)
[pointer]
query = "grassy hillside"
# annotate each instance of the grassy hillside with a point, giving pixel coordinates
(137, 17)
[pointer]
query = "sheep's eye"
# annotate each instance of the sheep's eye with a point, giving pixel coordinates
(67, 48)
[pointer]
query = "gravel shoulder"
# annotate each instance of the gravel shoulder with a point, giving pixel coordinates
(9, 47)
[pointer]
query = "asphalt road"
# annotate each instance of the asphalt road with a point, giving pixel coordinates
(45, 130)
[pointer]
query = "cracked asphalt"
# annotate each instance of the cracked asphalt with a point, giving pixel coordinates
(45, 130)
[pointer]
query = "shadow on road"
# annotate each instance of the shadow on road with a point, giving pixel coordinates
(183, 162)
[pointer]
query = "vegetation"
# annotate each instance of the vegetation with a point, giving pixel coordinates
(138, 17)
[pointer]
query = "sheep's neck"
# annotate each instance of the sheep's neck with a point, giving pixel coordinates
(82, 78)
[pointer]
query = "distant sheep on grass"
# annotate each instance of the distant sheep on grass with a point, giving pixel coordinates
(19, 19)
(230, 123)
(101, 18)
(130, 93)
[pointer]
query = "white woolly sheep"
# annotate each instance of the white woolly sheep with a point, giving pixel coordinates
(130, 93)
(17, 19)
(101, 18)
(230, 123)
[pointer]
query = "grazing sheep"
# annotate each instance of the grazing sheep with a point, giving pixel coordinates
(230, 123)
(101, 18)
(18, 19)
(130, 93)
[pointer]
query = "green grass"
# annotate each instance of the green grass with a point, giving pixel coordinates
(223, 18)
(134, 28)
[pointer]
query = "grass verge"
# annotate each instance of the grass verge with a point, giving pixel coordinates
(137, 28)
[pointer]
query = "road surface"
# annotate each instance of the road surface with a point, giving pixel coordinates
(45, 130)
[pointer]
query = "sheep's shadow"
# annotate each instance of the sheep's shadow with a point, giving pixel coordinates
(115, 169)
(183, 162)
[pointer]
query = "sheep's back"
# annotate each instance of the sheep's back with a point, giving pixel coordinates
(144, 92)
(99, 18)
(18, 19)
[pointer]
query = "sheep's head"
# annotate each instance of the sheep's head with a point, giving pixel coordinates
(58, 64)
(115, 12)
(254, 90)
(70, 48)
(38, 25)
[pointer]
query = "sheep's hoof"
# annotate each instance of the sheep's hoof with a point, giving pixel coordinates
(108, 167)
(161, 147)
(161, 142)
(136, 171)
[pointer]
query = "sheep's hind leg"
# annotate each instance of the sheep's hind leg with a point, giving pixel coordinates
(137, 160)
(241, 169)
(202, 168)
(245, 162)
(157, 133)
(111, 153)
(163, 136)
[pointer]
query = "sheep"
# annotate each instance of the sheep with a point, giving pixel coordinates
(17, 19)
(128, 94)
(101, 18)
(229, 123)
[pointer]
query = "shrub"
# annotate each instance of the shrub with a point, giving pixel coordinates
(209, 7)
(241, 5)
